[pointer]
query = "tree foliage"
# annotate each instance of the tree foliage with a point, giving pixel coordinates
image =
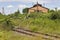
(25, 10)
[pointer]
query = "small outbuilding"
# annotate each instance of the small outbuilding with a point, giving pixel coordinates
(38, 8)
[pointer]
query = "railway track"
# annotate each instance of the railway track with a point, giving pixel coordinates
(31, 33)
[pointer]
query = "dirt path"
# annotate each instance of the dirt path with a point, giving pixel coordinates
(31, 33)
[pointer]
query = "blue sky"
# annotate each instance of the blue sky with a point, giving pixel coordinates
(12, 5)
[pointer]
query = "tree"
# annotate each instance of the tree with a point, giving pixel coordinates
(0, 13)
(55, 15)
(17, 13)
(51, 11)
(56, 9)
(25, 10)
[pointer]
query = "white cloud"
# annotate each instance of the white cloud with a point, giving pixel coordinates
(58, 8)
(22, 6)
(40, 1)
(8, 0)
(9, 6)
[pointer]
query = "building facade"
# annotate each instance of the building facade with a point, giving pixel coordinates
(38, 8)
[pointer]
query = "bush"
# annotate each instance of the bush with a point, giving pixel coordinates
(6, 25)
(55, 15)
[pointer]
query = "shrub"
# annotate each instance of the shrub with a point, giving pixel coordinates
(55, 15)
(7, 25)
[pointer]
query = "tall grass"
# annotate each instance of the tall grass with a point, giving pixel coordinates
(37, 22)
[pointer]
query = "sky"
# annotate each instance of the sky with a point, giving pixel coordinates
(10, 6)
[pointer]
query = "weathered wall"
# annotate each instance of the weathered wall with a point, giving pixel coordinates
(39, 8)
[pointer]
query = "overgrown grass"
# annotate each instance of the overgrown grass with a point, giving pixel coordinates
(37, 22)
(10, 35)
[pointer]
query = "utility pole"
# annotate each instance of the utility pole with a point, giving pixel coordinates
(56, 9)
(3, 10)
(43, 4)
